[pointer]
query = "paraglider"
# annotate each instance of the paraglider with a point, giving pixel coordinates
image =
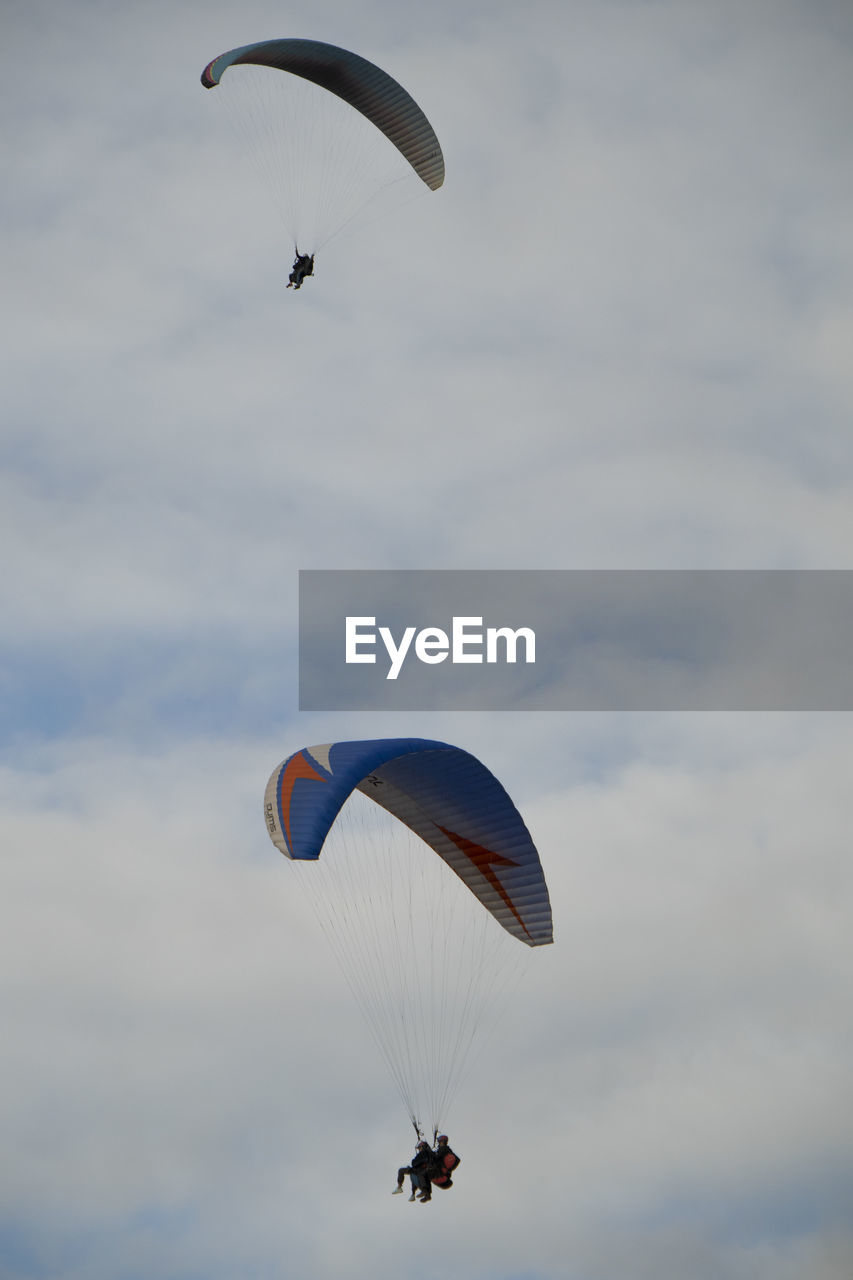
(329, 130)
(426, 880)
(302, 267)
(444, 1162)
(429, 1169)
(419, 1174)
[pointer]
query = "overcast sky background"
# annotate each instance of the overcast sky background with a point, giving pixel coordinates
(619, 337)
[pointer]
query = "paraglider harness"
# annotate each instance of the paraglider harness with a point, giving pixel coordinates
(302, 267)
(443, 1167)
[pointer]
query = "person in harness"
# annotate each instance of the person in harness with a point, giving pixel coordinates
(302, 267)
(419, 1171)
(444, 1161)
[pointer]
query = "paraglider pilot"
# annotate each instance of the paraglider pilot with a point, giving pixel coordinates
(302, 267)
(419, 1170)
(444, 1162)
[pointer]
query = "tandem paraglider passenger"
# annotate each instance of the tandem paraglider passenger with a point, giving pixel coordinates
(302, 267)
(419, 1171)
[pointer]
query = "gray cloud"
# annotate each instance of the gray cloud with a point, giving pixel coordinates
(618, 338)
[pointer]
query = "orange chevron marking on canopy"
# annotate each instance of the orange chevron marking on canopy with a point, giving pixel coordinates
(297, 767)
(485, 860)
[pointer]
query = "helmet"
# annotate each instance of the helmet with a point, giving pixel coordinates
(442, 1137)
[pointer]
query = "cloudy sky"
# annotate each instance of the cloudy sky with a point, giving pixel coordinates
(618, 337)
